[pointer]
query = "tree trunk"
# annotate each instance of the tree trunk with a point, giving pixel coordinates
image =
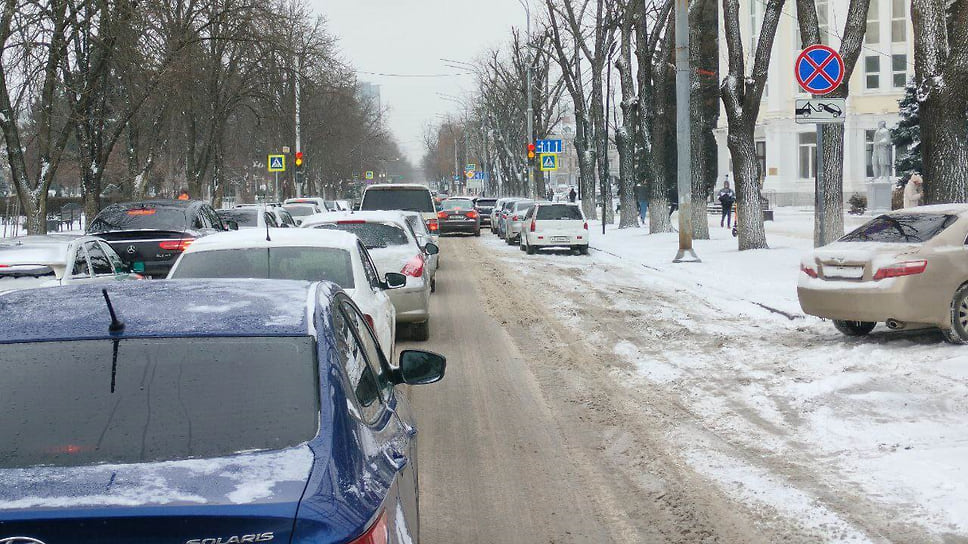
(626, 172)
(832, 188)
(749, 222)
(703, 109)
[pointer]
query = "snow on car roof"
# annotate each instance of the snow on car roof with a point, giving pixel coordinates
(954, 209)
(253, 238)
(392, 216)
(161, 308)
(46, 250)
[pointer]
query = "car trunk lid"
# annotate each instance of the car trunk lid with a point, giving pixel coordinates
(143, 246)
(859, 260)
(176, 501)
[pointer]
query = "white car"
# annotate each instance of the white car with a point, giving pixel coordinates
(53, 260)
(395, 248)
(297, 254)
(555, 224)
(424, 237)
(248, 218)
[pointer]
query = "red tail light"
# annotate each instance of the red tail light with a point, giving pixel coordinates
(432, 225)
(586, 225)
(441, 215)
(176, 245)
(414, 267)
(514, 218)
(907, 268)
(534, 223)
(369, 320)
(472, 214)
(377, 533)
(4, 266)
(808, 270)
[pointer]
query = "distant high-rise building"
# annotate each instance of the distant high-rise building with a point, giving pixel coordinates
(371, 91)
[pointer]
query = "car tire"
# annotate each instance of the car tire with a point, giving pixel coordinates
(958, 333)
(477, 233)
(433, 285)
(530, 250)
(854, 328)
(583, 250)
(508, 241)
(420, 331)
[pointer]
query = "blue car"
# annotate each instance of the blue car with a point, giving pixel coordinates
(203, 413)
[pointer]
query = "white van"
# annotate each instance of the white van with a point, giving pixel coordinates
(555, 224)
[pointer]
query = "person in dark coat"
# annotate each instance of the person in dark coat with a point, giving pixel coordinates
(727, 198)
(572, 195)
(642, 197)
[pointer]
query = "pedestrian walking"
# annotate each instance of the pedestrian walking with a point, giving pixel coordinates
(572, 195)
(914, 191)
(726, 198)
(642, 197)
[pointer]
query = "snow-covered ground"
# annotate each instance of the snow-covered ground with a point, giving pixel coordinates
(857, 439)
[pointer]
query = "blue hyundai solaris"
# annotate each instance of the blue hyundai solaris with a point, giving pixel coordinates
(203, 412)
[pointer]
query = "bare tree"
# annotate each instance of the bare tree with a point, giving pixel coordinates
(831, 224)
(941, 76)
(703, 108)
(741, 93)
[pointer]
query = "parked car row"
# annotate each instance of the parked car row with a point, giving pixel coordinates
(535, 225)
(268, 353)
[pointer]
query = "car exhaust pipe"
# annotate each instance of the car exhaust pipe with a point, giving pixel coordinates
(896, 325)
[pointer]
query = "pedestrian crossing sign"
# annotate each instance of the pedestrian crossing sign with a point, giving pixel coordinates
(549, 161)
(277, 163)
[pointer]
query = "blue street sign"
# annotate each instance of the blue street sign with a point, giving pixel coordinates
(277, 163)
(549, 162)
(480, 175)
(547, 146)
(819, 69)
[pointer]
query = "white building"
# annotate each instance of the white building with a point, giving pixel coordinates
(787, 151)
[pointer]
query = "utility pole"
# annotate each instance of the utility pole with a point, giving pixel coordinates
(684, 130)
(527, 11)
(299, 174)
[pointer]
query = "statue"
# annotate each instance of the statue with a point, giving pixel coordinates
(882, 152)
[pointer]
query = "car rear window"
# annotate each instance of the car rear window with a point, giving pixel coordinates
(278, 263)
(910, 228)
(147, 218)
(244, 217)
(300, 211)
(373, 235)
(150, 400)
(415, 200)
(486, 202)
(458, 204)
(559, 212)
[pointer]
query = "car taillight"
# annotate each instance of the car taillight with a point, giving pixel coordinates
(534, 223)
(586, 225)
(432, 225)
(414, 267)
(175, 245)
(376, 534)
(514, 218)
(369, 320)
(472, 214)
(4, 266)
(808, 270)
(907, 268)
(441, 215)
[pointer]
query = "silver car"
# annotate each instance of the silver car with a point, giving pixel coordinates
(512, 229)
(423, 238)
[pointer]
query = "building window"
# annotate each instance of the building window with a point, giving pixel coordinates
(873, 34)
(808, 155)
(872, 69)
(869, 153)
(761, 158)
(898, 22)
(899, 70)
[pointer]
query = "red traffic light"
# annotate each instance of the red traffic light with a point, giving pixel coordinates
(530, 151)
(299, 158)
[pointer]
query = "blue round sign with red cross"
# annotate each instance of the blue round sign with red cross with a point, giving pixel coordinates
(819, 69)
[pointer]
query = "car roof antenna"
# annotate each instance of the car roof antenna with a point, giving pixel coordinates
(116, 324)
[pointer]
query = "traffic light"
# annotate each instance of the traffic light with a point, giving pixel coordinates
(531, 151)
(299, 160)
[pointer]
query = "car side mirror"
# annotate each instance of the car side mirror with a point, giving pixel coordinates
(394, 280)
(420, 368)
(230, 224)
(431, 248)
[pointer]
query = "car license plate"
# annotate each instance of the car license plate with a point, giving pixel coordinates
(456, 218)
(559, 238)
(845, 272)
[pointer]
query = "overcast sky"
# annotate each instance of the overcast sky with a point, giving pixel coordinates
(410, 37)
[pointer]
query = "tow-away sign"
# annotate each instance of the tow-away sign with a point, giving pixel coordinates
(821, 110)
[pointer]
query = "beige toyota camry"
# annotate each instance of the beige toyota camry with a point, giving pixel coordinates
(907, 269)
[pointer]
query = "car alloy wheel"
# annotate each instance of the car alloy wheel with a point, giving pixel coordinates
(958, 333)
(854, 328)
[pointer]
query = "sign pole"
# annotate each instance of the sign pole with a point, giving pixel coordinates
(819, 197)
(683, 127)
(275, 191)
